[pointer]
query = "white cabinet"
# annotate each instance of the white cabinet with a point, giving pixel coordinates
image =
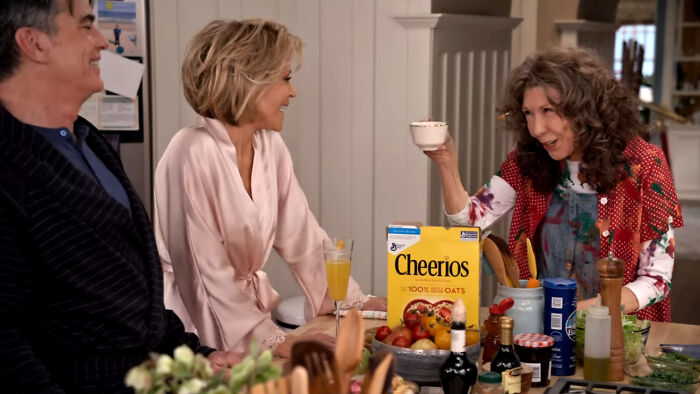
(684, 73)
(681, 92)
(684, 148)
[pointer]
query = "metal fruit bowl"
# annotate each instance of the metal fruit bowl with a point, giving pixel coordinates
(421, 366)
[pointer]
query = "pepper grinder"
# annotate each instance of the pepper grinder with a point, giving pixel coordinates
(611, 270)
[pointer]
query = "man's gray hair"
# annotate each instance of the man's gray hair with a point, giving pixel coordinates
(14, 14)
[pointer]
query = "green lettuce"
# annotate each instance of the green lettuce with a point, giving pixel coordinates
(632, 332)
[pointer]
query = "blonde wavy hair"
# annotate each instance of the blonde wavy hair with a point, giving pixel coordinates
(229, 64)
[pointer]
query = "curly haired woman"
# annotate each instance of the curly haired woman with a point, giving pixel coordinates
(581, 182)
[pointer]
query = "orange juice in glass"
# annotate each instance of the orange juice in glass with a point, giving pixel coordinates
(338, 274)
(338, 254)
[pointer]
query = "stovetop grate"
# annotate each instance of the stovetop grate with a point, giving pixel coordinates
(578, 386)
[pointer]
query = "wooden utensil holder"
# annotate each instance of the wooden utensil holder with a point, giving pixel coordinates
(611, 271)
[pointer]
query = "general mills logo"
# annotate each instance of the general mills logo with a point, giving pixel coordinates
(467, 235)
(393, 247)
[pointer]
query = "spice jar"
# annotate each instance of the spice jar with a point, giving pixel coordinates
(493, 328)
(489, 383)
(535, 350)
(493, 337)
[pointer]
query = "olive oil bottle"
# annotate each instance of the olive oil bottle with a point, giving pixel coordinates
(457, 373)
(596, 360)
(506, 361)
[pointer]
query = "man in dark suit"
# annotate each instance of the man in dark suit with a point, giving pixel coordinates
(81, 293)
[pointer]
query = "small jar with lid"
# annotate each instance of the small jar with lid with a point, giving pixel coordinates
(535, 350)
(488, 383)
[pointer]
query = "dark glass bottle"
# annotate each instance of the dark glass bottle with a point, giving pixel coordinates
(458, 374)
(506, 361)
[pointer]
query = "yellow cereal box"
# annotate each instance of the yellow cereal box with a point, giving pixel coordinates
(428, 268)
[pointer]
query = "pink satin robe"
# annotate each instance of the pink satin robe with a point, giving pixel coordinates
(214, 239)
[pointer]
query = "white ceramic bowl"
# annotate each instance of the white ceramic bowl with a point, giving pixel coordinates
(428, 135)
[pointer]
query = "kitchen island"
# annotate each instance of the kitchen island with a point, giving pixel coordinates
(660, 333)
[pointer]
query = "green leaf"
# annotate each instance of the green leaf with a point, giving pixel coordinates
(657, 230)
(522, 230)
(657, 188)
(181, 373)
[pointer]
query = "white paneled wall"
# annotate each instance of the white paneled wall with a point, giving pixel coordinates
(468, 77)
(365, 76)
(469, 87)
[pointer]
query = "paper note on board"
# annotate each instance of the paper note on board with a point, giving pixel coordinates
(120, 75)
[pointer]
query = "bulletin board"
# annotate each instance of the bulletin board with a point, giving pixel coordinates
(119, 118)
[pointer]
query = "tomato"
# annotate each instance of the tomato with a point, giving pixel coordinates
(411, 319)
(382, 333)
(443, 340)
(419, 332)
(399, 331)
(401, 342)
(424, 344)
(472, 337)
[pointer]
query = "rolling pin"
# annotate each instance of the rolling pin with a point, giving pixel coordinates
(611, 270)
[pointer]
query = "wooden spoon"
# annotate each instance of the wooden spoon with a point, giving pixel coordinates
(319, 362)
(299, 380)
(495, 259)
(378, 377)
(531, 260)
(348, 350)
(532, 264)
(513, 270)
(508, 261)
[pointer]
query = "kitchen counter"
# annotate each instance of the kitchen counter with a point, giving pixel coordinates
(660, 333)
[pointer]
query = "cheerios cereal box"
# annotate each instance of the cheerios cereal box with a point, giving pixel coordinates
(428, 268)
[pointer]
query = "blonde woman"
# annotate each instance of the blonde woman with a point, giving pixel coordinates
(226, 193)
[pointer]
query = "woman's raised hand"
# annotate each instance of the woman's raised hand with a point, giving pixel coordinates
(445, 156)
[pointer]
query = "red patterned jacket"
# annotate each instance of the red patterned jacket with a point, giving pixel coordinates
(642, 207)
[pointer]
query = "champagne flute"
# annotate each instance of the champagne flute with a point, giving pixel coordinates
(338, 254)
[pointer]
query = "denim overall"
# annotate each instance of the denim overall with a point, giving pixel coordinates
(570, 240)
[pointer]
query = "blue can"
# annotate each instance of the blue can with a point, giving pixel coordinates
(560, 323)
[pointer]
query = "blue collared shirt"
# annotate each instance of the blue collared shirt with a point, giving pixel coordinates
(84, 159)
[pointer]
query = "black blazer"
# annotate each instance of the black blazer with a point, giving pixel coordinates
(81, 287)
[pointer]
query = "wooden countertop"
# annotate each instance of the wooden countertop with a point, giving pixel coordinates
(660, 333)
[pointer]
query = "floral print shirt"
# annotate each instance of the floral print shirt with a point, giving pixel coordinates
(635, 220)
